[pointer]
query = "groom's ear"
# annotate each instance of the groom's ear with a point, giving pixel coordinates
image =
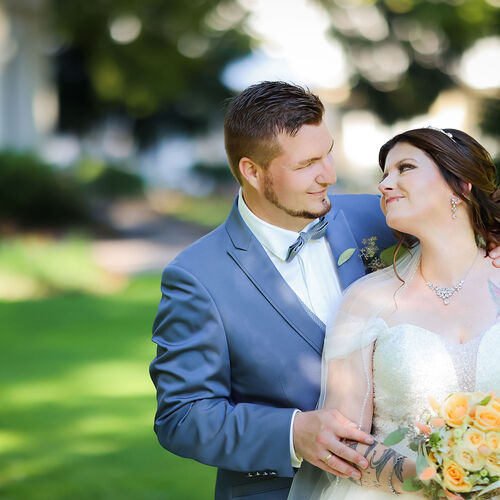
(250, 171)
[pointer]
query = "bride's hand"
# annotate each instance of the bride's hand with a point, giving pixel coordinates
(317, 438)
(495, 255)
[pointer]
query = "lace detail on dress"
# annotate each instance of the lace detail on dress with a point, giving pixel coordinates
(464, 358)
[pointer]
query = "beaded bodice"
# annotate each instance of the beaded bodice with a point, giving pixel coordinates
(411, 363)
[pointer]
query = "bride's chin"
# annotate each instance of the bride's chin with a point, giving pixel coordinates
(397, 223)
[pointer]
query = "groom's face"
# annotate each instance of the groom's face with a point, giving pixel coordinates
(295, 182)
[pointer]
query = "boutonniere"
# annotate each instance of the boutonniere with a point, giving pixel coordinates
(371, 255)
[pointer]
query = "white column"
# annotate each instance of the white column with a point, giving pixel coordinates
(28, 107)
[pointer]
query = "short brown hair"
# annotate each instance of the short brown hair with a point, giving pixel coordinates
(262, 111)
(460, 159)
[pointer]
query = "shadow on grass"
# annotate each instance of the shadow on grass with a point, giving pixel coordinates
(78, 404)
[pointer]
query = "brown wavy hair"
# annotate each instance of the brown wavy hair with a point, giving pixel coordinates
(461, 160)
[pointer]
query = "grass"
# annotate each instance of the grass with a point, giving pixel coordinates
(77, 402)
(35, 266)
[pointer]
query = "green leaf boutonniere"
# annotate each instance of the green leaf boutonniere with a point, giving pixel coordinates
(373, 258)
(345, 256)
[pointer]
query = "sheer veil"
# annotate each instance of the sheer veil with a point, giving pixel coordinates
(346, 382)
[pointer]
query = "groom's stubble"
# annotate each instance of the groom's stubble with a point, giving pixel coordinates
(271, 196)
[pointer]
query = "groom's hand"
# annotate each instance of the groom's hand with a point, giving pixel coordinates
(317, 435)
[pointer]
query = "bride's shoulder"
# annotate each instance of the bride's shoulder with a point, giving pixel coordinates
(372, 291)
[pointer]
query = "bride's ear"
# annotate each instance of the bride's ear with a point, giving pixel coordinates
(466, 188)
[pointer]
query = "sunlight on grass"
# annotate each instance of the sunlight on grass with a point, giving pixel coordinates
(10, 441)
(78, 405)
(36, 266)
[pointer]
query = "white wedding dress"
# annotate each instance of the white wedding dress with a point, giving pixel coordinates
(409, 364)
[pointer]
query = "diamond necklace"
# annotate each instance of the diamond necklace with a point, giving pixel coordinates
(445, 292)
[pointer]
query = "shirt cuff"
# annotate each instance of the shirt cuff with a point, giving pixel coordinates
(296, 460)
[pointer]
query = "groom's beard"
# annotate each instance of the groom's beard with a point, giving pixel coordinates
(270, 195)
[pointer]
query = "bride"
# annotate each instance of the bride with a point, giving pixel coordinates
(429, 325)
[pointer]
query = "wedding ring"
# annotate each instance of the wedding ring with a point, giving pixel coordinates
(327, 458)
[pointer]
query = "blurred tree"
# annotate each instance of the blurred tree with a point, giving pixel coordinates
(153, 62)
(405, 52)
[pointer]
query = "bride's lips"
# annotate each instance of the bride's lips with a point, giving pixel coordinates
(392, 198)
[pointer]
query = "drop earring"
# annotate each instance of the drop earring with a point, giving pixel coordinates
(454, 205)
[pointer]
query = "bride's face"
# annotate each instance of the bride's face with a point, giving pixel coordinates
(415, 194)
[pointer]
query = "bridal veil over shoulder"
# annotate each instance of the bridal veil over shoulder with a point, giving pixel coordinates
(381, 376)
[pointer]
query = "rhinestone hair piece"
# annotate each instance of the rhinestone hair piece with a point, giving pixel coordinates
(449, 134)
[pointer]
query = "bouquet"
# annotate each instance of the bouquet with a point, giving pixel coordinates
(458, 448)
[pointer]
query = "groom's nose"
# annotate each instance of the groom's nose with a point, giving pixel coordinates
(327, 176)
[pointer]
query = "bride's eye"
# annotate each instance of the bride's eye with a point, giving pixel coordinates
(405, 166)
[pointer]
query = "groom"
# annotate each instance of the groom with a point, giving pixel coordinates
(241, 322)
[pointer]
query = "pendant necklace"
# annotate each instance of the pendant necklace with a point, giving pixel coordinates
(445, 292)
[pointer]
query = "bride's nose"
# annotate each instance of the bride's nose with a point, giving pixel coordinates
(385, 185)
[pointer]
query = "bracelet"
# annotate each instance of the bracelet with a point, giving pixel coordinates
(395, 462)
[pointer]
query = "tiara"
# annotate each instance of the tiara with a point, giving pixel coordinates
(449, 134)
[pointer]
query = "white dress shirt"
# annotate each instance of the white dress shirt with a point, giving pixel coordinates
(312, 274)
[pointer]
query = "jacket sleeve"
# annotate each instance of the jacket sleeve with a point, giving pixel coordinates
(196, 417)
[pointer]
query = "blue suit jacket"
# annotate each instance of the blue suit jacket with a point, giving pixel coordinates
(237, 351)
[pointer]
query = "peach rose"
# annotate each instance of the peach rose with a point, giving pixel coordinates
(427, 474)
(455, 477)
(493, 441)
(468, 459)
(454, 409)
(423, 428)
(487, 418)
(474, 438)
(437, 422)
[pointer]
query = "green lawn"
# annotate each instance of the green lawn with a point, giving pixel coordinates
(77, 404)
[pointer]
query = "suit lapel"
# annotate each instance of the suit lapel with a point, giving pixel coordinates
(340, 237)
(253, 260)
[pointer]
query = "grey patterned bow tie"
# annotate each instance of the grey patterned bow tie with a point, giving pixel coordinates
(313, 233)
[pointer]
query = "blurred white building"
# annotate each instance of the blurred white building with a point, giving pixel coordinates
(28, 101)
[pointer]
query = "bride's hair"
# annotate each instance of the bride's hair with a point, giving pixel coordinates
(461, 160)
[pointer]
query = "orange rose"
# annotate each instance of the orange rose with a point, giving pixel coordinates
(474, 438)
(487, 418)
(493, 441)
(454, 409)
(455, 478)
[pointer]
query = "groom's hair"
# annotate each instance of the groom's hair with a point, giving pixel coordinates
(255, 117)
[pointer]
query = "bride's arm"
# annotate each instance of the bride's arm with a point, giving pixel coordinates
(350, 391)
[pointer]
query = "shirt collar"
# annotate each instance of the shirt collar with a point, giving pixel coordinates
(275, 239)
